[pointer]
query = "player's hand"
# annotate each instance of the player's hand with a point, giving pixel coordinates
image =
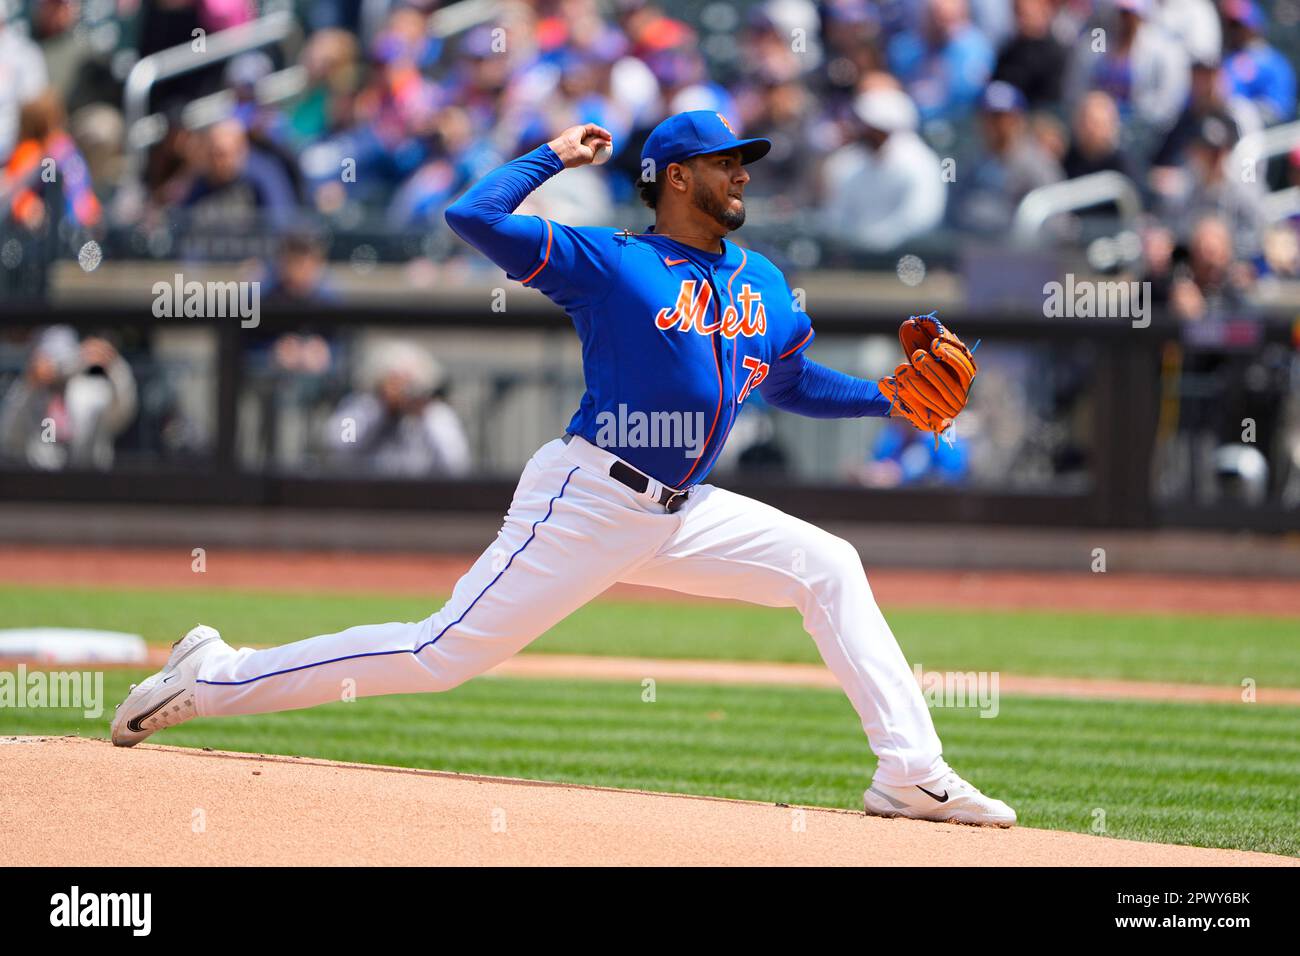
(905, 401)
(577, 145)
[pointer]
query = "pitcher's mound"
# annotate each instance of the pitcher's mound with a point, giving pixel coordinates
(73, 801)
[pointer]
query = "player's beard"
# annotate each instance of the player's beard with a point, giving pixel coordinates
(710, 205)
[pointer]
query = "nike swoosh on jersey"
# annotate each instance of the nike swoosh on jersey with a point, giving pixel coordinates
(674, 262)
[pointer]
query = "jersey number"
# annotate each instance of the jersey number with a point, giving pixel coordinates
(757, 372)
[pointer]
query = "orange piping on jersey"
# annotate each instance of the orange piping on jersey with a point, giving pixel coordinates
(735, 346)
(546, 258)
(718, 365)
(797, 347)
(731, 419)
(716, 412)
(739, 269)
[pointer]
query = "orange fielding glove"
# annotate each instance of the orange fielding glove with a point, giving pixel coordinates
(944, 364)
(901, 390)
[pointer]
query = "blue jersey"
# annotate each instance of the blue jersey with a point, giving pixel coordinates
(674, 339)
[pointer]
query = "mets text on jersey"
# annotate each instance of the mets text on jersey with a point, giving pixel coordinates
(692, 308)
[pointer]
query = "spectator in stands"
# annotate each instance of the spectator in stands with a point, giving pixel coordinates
(286, 372)
(766, 48)
(69, 406)
(478, 80)
(78, 72)
(944, 63)
(1255, 69)
(1031, 60)
(1157, 265)
(1050, 134)
(1141, 67)
(575, 87)
(300, 275)
(394, 114)
(905, 456)
(996, 19)
(100, 134)
(266, 127)
(887, 187)
(22, 77)
(650, 30)
(850, 34)
(237, 187)
(784, 112)
(1094, 147)
(574, 26)
(401, 424)
(1210, 96)
(685, 83)
(1212, 285)
(46, 155)
(300, 278)
(1206, 185)
(459, 158)
(1070, 18)
(397, 103)
(404, 130)
(990, 187)
(1281, 243)
(333, 75)
(1194, 24)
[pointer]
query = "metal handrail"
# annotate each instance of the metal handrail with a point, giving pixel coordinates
(1257, 149)
(181, 59)
(459, 17)
(1282, 204)
(145, 130)
(1042, 203)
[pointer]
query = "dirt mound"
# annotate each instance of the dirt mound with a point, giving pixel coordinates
(72, 801)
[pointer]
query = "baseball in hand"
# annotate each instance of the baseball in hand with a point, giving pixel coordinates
(603, 152)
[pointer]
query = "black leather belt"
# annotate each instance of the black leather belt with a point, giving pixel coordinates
(625, 474)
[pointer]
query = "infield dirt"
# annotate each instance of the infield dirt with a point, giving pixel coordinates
(71, 801)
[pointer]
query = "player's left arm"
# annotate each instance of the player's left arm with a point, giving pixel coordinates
(797, 384)
(800, 385)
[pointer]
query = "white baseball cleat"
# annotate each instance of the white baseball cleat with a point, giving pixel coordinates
(947, 799)
(165, 699)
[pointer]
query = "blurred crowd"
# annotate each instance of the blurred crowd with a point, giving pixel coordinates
(895, 123)
(951, 110)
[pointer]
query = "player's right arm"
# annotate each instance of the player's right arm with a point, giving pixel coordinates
(557, 259)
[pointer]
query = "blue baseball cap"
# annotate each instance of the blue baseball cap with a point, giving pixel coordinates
(697, 133)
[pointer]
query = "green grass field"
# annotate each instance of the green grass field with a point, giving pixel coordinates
(1214, 650)
(1203, 774)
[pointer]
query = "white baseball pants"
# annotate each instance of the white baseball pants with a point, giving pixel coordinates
(571, 532)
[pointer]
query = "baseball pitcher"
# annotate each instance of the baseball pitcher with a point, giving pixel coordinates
(679, 327)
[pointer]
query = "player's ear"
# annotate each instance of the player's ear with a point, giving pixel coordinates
(677, 175)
